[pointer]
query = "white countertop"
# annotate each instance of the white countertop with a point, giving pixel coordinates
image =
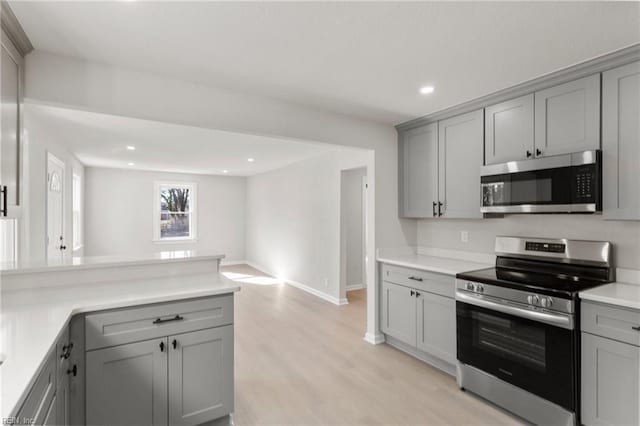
(31, 320)
(619, 294)
(441, 265)
(64, 263)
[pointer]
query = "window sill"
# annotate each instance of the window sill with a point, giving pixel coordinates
(174, 240)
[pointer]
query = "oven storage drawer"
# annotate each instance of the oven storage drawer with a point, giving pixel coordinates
(612, 322)
(443, 285)
(122, 326)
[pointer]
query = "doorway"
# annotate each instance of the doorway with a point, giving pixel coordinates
(55, 207)
(353, 232)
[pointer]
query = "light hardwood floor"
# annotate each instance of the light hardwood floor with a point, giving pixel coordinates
(302, 361)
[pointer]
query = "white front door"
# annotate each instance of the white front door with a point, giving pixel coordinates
(55, 207)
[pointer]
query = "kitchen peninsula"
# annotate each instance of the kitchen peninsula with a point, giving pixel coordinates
(156, 329)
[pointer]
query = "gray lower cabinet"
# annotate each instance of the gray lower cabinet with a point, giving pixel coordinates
(399, 312)
(422, 316)
(610, 366)
(567, 117)
(621, 142)
(200, 376)
(127, 384)
(508, 131)
(39, 407)
(460, 154)
(418, 171)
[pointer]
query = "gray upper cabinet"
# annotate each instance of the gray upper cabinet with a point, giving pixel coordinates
(127, 384)
(437, 326)
(508, 130)
(200, 376)
(621, 142)
(460, 152)
(418, 177)
(610, 382)
(399, 312)
(567, 117)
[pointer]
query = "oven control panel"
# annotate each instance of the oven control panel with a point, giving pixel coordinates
(545, 247)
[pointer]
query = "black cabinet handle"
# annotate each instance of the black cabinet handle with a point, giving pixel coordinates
(174, 343)
(161, 346)
(434, 209)
(439, 209)
(4, 208)
(538, 152)
(412, 292)
(529, 154)
(63, 247)
(417, 294)
(637, 328)
(66, 351)
(416, 278)
(73, 370)
(160, 320)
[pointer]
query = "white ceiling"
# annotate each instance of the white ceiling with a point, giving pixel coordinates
(100, 140)
(362, 58)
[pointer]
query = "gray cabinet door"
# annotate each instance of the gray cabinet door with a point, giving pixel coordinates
(51, 418)
(62, 401)
(418, 157)
(567, 117)
(610, 381)
(437, 326)
(460, 152)
(201, 376)
(621, 142)
(508, 130)
(127, 384)
(399, 312)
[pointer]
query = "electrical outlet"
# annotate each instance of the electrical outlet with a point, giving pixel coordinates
(464, 236)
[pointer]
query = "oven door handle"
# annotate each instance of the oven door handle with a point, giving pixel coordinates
(555, 319)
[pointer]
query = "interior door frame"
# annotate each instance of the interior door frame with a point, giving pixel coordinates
(53, 158)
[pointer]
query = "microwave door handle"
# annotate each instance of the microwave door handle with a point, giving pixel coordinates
(559, 320)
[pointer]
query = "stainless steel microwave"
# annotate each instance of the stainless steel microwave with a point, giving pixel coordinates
(570, 183)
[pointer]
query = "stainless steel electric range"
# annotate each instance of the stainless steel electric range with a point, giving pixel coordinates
(517, 325)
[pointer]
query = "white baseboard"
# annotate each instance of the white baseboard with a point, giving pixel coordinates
(233, 262)
(374, 339)
(355, 287)
(304, 287)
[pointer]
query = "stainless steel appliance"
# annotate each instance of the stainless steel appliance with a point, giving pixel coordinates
(559, 184)
(517, 325)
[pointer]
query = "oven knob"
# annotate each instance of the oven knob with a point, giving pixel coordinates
(471, 286)
(480, 288)
(546, 302)
(532, 299)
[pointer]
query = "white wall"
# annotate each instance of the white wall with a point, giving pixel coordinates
(74, 83)
(352, 210)
(293, 221)
(38, 142)
(446, 233)
(119, 213)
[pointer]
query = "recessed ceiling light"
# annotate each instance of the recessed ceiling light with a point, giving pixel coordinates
(131, 147)
(131, 164)
(225, 171)
(426, 90)
(251, 160)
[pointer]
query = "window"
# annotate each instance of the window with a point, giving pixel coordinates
(76, 195)
(174, 212)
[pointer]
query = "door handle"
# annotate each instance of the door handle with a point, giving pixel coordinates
(4, 209)
(434, 209)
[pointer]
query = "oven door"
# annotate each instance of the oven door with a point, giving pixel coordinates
(535, 356)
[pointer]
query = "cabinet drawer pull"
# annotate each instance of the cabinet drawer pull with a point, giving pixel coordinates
(439, 209)
(636, 328)
(161, 321)
(433, 209)
(416, 278)
(4, 209)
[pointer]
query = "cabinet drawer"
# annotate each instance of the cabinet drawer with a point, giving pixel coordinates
(612, 322)
(443, 285)
(135, 324)
(36, 406)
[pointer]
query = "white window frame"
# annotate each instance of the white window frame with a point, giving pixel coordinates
(193, 212)
(77, 197)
